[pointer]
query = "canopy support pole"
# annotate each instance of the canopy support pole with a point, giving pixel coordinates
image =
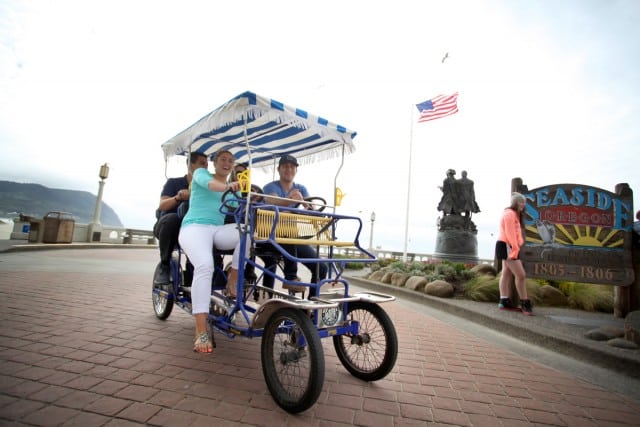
(406, 226)
(335, 181)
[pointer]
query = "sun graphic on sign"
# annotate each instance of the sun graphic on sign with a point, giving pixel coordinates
(574, 235)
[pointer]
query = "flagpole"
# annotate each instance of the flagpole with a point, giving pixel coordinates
(406, 221)
(431, 109)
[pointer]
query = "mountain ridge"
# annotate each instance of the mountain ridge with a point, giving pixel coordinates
(36, 200)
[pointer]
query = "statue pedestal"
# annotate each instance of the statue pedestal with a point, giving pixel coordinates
(454, 242)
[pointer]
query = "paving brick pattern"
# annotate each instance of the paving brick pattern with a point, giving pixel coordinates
(84, 348)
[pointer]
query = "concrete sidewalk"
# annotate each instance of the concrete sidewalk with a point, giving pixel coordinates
(80, 345)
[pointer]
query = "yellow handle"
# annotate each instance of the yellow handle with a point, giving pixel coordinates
(244, 179)
(339, 196)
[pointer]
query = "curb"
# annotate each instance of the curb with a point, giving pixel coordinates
(593, 352)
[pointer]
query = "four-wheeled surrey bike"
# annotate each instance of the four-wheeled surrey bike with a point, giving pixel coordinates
(257, 131)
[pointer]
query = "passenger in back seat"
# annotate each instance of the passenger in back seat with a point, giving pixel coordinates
(167, 227)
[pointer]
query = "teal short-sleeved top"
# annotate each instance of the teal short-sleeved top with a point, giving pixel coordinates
(204, 204)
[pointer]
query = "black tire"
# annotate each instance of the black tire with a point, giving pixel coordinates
(162, 305)
(294, 374)
(371, 354)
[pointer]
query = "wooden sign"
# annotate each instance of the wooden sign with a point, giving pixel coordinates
(578, 233)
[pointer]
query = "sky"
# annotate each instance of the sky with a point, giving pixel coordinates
(548, 93)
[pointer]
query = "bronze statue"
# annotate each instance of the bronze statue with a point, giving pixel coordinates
(448, 201)
(458, 198)
(467, 201)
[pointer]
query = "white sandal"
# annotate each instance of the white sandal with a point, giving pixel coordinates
(203, 340)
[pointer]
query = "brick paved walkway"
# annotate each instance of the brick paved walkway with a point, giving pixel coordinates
(80, 345)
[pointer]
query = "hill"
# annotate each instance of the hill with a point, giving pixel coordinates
(36, 200)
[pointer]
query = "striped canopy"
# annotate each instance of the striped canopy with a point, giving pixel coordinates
(262, 129)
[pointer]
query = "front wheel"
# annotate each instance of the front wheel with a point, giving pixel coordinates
(292, 360)
(162, 304)
(371, 354)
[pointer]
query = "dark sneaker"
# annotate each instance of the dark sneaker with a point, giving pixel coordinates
(527, 308)
(506, 304)
(162, 275)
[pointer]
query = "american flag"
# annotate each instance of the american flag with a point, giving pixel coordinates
(437, 107)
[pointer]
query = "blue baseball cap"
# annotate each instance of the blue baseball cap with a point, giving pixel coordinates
(288, 159)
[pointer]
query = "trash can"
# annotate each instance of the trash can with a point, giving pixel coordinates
(58, 227)
(35, 230)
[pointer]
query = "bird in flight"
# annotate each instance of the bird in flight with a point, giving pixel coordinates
(446, 55)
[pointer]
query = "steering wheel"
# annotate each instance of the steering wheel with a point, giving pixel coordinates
(315, 199)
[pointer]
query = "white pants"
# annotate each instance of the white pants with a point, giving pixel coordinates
(197, 241)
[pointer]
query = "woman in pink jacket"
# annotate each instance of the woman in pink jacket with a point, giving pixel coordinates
(510, 240)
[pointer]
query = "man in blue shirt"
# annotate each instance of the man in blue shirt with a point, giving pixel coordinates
(285, 187)
(175, 192)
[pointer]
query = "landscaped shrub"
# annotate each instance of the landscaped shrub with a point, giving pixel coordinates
(447, 271)
(454, 273)
(417, 272)
(381, 263)
(397, 267)
(589, 297)
(482, 288)
(354, 265)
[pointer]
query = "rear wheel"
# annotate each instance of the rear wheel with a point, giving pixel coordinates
(162, 304)
(292, 360)
(371, 354)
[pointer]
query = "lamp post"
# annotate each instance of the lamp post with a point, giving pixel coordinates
(95, 228)
(373, 219)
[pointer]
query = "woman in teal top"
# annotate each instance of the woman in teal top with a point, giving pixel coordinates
(202, 228)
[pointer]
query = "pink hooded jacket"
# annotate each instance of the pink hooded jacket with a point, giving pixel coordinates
(511, 232)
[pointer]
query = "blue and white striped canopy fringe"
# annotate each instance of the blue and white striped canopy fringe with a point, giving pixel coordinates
(272, 129)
